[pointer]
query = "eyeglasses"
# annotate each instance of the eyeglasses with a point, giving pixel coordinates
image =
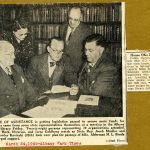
(57, 51)
(72, 19)
(89, 50)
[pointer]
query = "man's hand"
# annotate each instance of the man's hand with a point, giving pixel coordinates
(74, 89)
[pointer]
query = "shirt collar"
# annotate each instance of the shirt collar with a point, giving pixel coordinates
(5, 68)
(70, 29)
(92, 64)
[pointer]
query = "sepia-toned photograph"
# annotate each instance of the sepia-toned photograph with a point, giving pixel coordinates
(51, 52)
(62, 74)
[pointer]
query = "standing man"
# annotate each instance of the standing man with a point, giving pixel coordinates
(51, 68)
(99, 77)
(74, 32)
(16, 94)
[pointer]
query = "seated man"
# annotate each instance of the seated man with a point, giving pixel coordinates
(51, 68)
(16, 94)
(99, 76)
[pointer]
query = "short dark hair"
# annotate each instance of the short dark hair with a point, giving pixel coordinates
(54, 38)
(98, 38)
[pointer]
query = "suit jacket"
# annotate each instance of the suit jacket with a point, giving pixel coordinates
(15, 99)
(102, 79)
(38, 75)
(75, 47)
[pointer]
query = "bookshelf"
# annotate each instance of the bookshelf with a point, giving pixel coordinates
(46, 19)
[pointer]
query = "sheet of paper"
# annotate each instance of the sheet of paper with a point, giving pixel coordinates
(58, 89)
(60, 108)
(35, 112)
(88, 100)
(54, 108)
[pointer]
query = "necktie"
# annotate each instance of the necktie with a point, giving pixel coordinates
(9, 70)
(52, 64)
(67, 41)
(10, 75)
(70, 35)
(88, 70)
(89, 67)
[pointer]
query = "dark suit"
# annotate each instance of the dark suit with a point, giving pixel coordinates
(15, 99)
(102, 81)
(38, 74)
(75, 47)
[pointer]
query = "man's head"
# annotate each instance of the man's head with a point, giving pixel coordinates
(6, 53)
(94, 47)
(55, 48)
(74, 17)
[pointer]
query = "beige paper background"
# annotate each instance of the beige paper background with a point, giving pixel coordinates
(138, 103)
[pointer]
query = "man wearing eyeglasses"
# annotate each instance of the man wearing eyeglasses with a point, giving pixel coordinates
(51, 68)
(74, 32)
(99, 77)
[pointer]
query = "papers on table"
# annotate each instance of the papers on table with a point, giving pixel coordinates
(89, 100)
(57, 108)
(54, 108)
(37, 112)
(58, 89)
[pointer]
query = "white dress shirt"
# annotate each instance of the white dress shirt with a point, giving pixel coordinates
(69, 31)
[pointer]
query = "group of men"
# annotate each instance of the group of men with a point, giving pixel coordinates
(76, 59)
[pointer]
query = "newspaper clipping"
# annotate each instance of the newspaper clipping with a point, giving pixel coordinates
(62, 74)
(138, 70)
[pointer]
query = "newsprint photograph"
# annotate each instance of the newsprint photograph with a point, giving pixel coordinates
(62, 74)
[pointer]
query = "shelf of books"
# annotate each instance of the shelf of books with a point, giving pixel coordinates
(46, 19)
(102, 18)
(57, 13)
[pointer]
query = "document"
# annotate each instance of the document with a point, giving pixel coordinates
(88, 100)
(138, 70)
(58, 89)
(54, 108)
